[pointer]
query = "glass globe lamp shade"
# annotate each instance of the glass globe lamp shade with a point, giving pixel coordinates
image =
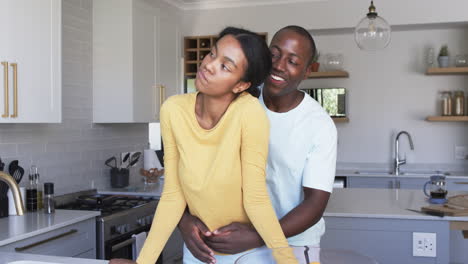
(372, 33)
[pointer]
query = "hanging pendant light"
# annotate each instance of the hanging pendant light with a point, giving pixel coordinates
(372, 32)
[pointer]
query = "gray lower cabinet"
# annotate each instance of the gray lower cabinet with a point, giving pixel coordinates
(371, 182)
(77, 240)
(402, 182)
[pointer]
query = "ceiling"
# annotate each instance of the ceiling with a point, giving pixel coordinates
(212, 4)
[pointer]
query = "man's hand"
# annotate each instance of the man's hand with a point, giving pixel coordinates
(121, 261)
(194, 231)
(234, 238)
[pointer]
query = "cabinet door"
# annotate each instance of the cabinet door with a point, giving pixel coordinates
(457, 184)
(34, 37)
(145, 90)
(371, 182)
(4, 66)
(168, 54)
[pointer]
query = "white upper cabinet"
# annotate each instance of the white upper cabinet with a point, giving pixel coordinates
(30, 56)
(135, 60)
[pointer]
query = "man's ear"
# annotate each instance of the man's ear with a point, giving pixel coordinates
(240, 87)
(308, 71)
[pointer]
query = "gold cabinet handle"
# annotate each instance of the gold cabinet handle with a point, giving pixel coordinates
(6, 112)
(15, 90)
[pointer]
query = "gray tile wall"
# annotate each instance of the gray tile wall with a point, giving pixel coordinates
(72, 154)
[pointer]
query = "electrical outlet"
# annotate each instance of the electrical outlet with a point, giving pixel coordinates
(460, 152)
(424, 244)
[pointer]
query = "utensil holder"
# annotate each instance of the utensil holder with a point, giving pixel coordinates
(119, 177)
(3, 206)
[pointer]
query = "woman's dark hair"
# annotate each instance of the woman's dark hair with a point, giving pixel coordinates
(258, 57)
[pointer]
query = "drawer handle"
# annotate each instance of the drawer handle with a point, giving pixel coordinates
(5, 86)
(123, 244)
(15, 90)
(19, 249)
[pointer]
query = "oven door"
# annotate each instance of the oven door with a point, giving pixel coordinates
(123, 247)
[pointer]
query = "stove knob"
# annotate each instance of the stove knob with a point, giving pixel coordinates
(141, 221)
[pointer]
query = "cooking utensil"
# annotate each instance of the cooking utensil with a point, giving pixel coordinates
(12, 166)
(18, 174)
(134, 159)
(2, 165)
(125, 159)
(109, 161)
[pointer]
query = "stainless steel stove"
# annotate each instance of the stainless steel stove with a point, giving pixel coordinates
(121, 217)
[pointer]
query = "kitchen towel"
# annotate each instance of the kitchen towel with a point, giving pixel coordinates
(11, 201)
(151, 160)
(139, 241)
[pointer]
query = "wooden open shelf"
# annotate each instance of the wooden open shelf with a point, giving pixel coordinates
(340, 119)
(451, 70)
(447, 118)
(329, 74)
(196, 48)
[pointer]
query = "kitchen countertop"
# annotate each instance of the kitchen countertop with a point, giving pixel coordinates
(382, 203)
(140, 189)
(406, 174)
(15, 228)
(41, 259)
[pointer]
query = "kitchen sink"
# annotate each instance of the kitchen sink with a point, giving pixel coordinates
(373, 172)
(409, 173)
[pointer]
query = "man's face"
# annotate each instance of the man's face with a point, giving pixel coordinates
(290, 56)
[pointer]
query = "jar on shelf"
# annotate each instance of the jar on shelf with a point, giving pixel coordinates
(446, 103)
(461, 60)
(459, 103)
(334, 61)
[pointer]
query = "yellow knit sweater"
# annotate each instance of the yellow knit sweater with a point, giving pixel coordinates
(219, 173)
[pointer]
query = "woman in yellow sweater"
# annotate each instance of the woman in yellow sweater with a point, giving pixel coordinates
(216, 145)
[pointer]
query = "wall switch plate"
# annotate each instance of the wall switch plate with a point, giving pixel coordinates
(461, 152)
(424, 244)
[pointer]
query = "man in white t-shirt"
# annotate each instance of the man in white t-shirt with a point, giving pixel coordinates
(301, 162)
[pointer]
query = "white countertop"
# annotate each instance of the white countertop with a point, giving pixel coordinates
(15, 228)
(406, 174)
(41, 259)
(381, 203)
(140, 189)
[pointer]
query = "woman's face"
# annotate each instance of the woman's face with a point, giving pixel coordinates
(221, 70)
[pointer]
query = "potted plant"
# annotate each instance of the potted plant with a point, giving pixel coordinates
(315, 64)
(443, 58)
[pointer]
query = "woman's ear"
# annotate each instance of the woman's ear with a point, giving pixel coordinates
(240, 87)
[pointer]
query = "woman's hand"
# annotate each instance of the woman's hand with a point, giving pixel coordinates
(234, 238)
(121, 261)
(193, 232)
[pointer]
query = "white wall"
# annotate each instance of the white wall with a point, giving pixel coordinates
(387, 91)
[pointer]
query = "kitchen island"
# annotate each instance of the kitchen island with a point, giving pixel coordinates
(13, 258)
(66, 233)
(376, 222)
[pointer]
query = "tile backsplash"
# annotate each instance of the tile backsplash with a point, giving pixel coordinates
(72, 154)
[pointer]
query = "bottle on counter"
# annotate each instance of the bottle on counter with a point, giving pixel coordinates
(459, 103)
(40, 193)
(49, 200)
(31, 191)
(446, 100)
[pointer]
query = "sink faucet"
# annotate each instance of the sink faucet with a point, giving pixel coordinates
(398, 162)
(15, 190)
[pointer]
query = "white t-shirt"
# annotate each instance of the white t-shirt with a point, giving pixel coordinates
(302, 153)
